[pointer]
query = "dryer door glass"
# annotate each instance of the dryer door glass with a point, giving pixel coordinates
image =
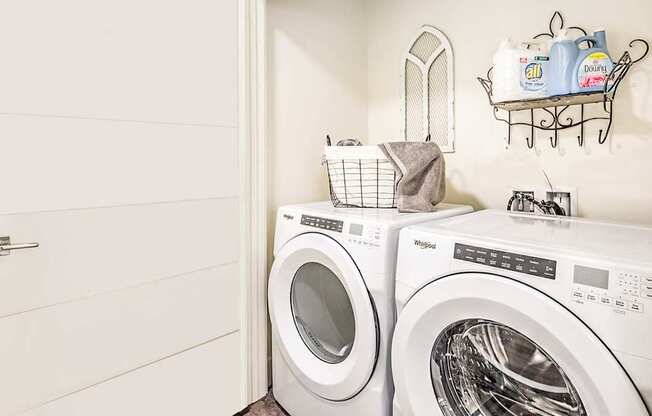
(483, 368)
(322, 312)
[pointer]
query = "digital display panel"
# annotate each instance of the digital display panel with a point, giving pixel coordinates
(355, 229)
(589, 276)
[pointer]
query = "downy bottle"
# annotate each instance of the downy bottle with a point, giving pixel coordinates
(593, 64)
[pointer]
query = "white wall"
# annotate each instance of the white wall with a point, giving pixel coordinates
(324, 77)
(118, 136)
(614, 180)
(317, 85)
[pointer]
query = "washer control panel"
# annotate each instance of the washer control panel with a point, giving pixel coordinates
(534, 266)
(323, 223)
(617, 289)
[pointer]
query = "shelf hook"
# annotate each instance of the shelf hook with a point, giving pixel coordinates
(530, 143)
(532, 133)
(509, 128)
(580, 138)
(556, 140)
(601, 139)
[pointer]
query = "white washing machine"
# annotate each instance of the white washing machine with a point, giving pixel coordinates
(331, 303)
(505, 314)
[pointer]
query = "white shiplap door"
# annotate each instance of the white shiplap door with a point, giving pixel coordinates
(119, 155)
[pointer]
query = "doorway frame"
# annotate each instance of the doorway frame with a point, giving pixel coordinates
(253, 199)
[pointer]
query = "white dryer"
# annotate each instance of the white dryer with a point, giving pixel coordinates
(331, 303)
(505, 314)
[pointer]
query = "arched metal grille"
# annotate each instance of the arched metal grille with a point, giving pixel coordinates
(428, 97)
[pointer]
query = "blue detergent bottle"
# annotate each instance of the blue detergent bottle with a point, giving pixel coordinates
(563, 57)
(593, 64)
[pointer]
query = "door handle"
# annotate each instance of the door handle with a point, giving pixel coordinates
(6, 247)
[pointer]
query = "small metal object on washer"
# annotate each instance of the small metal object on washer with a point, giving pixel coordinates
(349, 142)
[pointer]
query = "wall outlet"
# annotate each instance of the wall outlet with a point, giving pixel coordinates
(563, 199)
(564, 196)
(522, 205)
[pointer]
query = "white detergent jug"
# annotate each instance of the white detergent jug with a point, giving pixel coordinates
(506, 76)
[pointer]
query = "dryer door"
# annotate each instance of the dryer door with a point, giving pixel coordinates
(486, 345)
(322, 316)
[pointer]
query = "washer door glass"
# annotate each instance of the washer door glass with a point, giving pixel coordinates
(483, 368)
(322, 312)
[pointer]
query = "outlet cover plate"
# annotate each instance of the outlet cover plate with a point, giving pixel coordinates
(568, 200)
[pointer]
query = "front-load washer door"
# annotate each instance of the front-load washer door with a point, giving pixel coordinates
(475, 344)
(323, 319)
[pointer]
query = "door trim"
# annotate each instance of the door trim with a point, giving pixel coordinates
(253, 199)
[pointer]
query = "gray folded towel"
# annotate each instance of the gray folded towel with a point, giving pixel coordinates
(421, 174)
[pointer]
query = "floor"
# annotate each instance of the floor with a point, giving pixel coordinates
(264, 407)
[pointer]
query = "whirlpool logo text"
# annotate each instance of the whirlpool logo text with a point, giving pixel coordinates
(425, 245)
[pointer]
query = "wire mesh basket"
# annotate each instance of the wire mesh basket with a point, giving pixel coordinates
(360, 177)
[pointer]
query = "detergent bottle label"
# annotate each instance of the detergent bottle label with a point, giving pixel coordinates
(534, 72)
(593, 70)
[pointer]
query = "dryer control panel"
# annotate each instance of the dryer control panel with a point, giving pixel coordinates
(365, 234)
(323, 223)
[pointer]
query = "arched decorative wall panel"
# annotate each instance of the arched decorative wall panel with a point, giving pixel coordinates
(428, 89)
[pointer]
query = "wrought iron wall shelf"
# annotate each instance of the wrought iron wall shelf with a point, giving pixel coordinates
(551, 114)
